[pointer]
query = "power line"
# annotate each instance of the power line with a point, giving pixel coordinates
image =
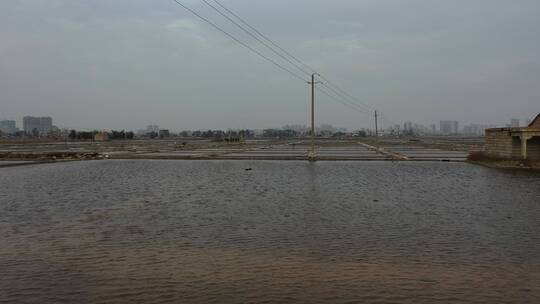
(239, 41)
(265, 37)
(339, 98)
(256, 38)
(341, 95)
(346, 103)
(257, 52)
(351, 106)
(346, 94)
(388, 119)
(338, 93)
(333, 87)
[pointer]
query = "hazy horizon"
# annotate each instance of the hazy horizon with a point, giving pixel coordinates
(128, 64)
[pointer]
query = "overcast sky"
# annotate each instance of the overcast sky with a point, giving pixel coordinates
(124, 64)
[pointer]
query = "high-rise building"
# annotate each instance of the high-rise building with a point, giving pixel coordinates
(448, 127)
(473, 130)
(39, 125)
(445, 127)
(152, 129)
(407, 126)
(8, 126)
(455, 127)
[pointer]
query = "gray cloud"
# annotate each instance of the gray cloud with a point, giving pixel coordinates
(125, 64)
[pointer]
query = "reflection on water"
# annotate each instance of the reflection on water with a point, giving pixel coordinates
(212, 232)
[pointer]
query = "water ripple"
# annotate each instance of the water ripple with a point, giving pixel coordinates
(285, 232)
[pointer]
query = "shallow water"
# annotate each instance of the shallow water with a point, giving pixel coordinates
(212, 232)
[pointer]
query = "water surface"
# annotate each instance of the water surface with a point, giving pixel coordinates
(212, 232)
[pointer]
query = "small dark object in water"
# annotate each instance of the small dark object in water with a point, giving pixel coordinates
(249, 169)
(376, 201)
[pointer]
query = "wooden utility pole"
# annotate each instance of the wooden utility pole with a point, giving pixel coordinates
(376, 124)
(311, 155)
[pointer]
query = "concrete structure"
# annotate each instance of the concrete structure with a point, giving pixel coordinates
(535, 123)
(101, 136)
(164, 133)
(8, 126)
(41, 125)
(515, 143)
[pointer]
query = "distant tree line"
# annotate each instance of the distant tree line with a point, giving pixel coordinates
(287, 132)
(121, 135)
(219, 134)
(89, 135)
(280, 133)
(245, 134)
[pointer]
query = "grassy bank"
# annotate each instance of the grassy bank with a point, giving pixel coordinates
(48, 156)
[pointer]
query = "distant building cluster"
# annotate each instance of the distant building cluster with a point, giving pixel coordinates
(443, 128)
(153, 131)
(448, 127)
(37, 126)
(42, 127)
(32, 127)
(475, 129)
(8, 127)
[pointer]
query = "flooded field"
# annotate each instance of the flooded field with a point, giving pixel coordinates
(425, 149)
(148, 231)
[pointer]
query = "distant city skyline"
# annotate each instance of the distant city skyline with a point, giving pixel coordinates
(43, 125)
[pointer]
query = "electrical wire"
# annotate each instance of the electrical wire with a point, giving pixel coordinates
(306, 66)
(351, 106)
(265, 37)
(341, 96)
(257, 38)
(239, 41)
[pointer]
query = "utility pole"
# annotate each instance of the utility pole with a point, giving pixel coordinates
(311, 155)
(376, 124)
